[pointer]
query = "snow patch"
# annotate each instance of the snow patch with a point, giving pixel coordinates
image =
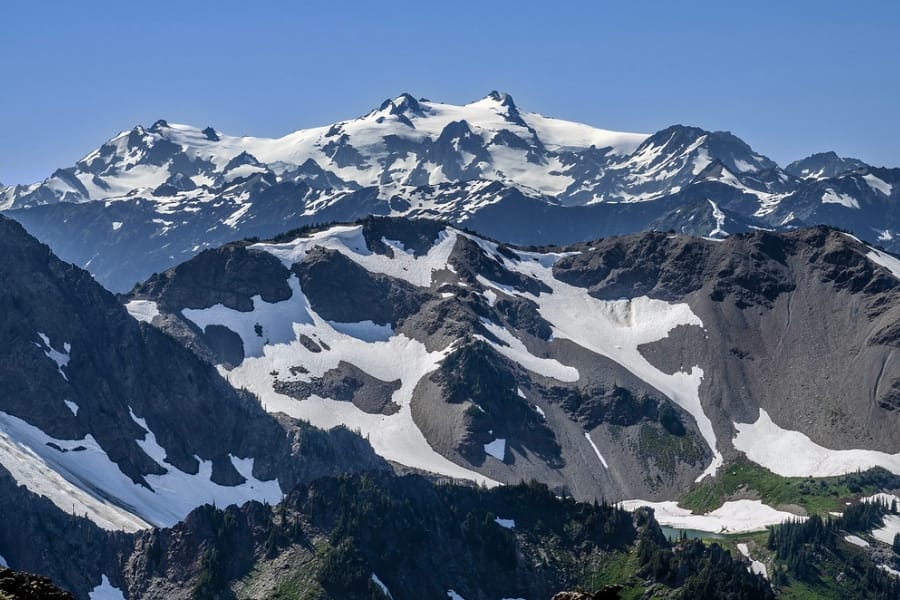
(890, 527)
(142, 310)
(350, 242)
(3, 562)
(889, 570)
(719, 216)
(888, 261)
(454, 596)
(490, 296)
(596, 450)
(516, 351)
(832, 197)
(505, 523)
(72, 406)
(735, 516)
(614, 329)
(856, 541)
(755, 566)
(79, 477)
(60, 358)
(879, 185)
(235, 217)
(395, 437)
(116, 225)
(792, 454)
(381, 586)
(743, 166)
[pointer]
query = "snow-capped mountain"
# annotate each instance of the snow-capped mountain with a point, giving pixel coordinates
(150, 198)
(403, 142)
(476, 360)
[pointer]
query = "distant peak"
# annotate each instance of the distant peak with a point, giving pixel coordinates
(158, 125)
(405, 103)
(211, 134)
(402, 104)
(823, 165)
(244, 158)
(502, 98)
(675, 135)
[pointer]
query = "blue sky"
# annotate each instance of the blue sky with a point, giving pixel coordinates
(790, 78)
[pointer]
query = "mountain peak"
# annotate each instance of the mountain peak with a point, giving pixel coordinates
(502, 98)
(159, 125)
(823, 165)
(211, 134)
(403, 104)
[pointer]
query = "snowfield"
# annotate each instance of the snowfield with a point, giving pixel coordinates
(60, 358)
(142, 310)
(888, 261)
(513, 349)
(395, 437)
(349, 241)
(792, 454)
(736, 516)
(890, 527)
(755, 565)
(78, 476)
(614, 329)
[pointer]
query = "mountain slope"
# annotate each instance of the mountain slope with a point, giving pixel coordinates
(112, 419)
(622, 368)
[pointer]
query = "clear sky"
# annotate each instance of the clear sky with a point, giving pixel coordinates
(789, 77)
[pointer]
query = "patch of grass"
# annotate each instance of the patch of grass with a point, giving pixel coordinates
(615, 568)
(297, 588)
(799, 590)
(660, 449)
(816, 495)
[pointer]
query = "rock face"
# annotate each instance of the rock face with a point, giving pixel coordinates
(618, 368)
(609, 592)
(24, 586)
(481, 407)
(113, 419)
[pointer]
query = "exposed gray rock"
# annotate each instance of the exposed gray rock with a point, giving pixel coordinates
(347, 383)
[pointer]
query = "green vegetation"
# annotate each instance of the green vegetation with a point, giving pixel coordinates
(326, 539)
(695, 570)
(615, 568)
(816, 495)
(813, 561)
(659, 448)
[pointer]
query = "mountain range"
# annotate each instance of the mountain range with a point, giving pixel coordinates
(150, 198)
(449, 351)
